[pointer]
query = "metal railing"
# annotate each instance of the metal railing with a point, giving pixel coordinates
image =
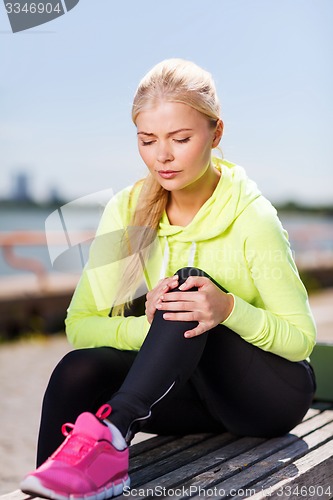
(10, 241)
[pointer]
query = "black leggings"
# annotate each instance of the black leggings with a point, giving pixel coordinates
(214, 382)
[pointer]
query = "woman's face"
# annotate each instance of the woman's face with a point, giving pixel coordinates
(175, 142)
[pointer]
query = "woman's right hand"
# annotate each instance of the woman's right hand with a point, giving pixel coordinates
(154, 295)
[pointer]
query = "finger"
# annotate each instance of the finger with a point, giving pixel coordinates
(154, 295)
(161, 289)
(173, 283)
(194, 281)
(199, 330)
(175, 306)
(180, 316)
(170, 283)
(157, 299)
(149, 314)
(164, 282)
(180, 297)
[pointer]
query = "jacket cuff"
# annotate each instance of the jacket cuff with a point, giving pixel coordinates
(245, 319)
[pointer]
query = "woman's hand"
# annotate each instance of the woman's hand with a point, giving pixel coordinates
(154, 295)
(209, 305)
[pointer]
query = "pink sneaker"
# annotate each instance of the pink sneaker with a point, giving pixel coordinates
(85, 466)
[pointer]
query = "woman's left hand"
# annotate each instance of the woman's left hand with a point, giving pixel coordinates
(209, 305)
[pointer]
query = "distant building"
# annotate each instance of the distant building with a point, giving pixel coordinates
(21, 187)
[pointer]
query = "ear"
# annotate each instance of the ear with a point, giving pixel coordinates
(218, 133)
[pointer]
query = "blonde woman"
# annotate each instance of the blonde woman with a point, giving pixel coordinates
(224, 339)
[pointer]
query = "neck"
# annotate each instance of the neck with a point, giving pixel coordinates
(185, 203)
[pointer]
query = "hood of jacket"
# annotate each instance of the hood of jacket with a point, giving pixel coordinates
(233, 193)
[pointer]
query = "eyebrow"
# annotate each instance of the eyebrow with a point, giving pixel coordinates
(150, 134)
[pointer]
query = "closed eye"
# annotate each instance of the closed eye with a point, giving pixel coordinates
(179, 141)
(182, 141)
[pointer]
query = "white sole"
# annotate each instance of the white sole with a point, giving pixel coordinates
(32, 486)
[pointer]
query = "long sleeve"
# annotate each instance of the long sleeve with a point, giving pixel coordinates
(282, 323)
(86, 326)
(88, 323)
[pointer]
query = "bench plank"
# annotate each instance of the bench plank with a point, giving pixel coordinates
(166, 450)
(309, 477)
(180, 458)
(273, 463)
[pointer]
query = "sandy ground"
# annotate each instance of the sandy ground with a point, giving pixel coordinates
(25, 368)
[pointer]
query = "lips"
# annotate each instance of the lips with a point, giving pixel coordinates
(168, 174)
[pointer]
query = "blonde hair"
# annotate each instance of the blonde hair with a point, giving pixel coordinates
(172, 80)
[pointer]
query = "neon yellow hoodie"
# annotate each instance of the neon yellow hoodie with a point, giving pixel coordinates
(236, 237)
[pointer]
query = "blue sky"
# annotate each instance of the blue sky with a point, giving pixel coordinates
(66, 89)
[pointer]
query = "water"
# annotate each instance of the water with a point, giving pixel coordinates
(311, 236)
(44, 220)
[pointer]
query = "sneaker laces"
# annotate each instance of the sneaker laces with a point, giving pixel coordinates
(103, 412)
(76, 446)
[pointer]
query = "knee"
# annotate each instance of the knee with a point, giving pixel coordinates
(186, 272)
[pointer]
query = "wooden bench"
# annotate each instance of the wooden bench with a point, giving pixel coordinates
(299, 464)
(296, 466)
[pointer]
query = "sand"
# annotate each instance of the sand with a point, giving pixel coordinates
(25, 368)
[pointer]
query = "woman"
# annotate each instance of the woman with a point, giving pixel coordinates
(224, 342)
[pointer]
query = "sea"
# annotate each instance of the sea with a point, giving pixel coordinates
(311, 235)
(15, 221)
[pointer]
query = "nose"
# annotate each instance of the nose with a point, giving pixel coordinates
(164, 154)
